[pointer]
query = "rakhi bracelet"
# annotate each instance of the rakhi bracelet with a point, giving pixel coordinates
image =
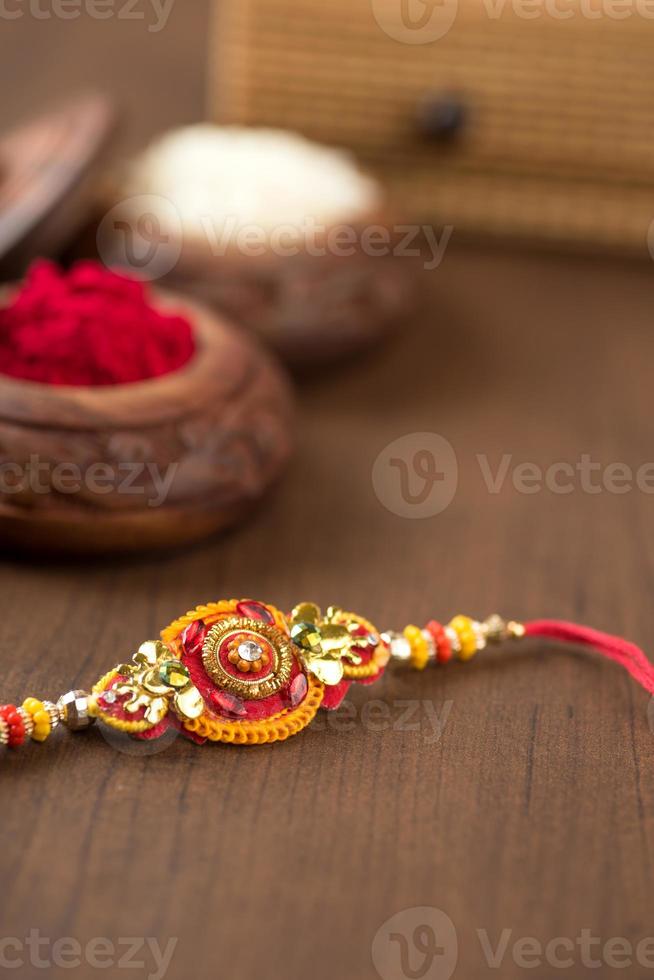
(242, 672)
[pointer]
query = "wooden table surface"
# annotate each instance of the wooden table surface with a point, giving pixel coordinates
(530, 814)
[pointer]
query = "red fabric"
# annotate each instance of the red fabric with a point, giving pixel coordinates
(88, 326)
(627, 654)
(334, 695)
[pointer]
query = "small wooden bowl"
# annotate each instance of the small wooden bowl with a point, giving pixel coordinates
(312, 307)
(148, 465)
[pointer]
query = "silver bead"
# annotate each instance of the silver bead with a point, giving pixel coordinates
(73, 709)
(479, 630)
(431, 645)
(399, 645)
(453, 637)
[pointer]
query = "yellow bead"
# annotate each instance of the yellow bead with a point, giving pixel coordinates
(419, 647)
(40, 718)
(463, 627)
(31, 705)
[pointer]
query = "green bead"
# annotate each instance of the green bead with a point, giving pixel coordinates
(306, 635)
(174, 674)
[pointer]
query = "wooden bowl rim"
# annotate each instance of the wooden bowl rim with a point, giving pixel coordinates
(137, 404)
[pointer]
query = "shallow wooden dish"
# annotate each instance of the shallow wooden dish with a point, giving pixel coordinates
(198, 446)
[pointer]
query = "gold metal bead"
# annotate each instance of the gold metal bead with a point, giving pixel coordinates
(4, 732)
(53, 712)
(498, 629)
(28, 721)
(495, 628)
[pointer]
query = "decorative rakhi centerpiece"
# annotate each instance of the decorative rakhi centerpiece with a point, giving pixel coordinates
(242, 671)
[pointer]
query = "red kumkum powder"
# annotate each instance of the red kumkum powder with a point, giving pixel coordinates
(88, 326)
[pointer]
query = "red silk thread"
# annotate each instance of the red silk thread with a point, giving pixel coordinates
(621, 651)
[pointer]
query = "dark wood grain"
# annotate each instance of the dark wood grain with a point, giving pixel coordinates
(532, 813)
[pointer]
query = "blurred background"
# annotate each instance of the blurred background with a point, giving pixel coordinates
(509, 117)
(158, 79)
(518, 136)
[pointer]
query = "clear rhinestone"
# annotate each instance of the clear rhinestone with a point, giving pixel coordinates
(109, 697)
(249, 651)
